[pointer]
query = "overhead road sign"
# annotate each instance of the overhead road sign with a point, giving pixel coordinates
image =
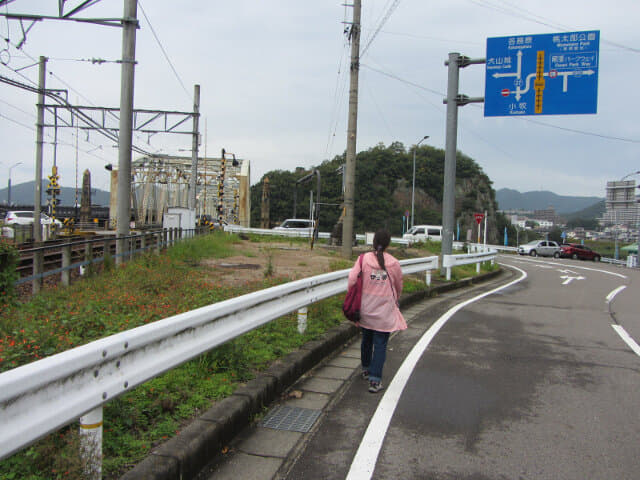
(550, 74)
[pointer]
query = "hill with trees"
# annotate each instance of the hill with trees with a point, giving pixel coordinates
(383, 191)
(509, 199)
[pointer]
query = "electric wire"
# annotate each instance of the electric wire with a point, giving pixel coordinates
(532, 17)
(164, 52)
(381, 23)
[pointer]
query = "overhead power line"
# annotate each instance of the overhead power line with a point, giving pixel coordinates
(164, 52)
(384, 19)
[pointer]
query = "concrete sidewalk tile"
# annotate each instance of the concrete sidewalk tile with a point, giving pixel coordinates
(344, 362)
(336, 373)
(321, 385)
(310, 400)
(269, 442)
(247, 467)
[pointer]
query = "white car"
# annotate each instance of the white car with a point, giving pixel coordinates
(296, 225)
(541, 248)
(422, 233)
(25, 217)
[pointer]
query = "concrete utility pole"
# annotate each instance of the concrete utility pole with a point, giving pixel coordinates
(453, 100)
(193, 181)
(350, 173)
(125, 138)
(37, 199)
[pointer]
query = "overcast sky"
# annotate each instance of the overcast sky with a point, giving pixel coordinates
(274, 84)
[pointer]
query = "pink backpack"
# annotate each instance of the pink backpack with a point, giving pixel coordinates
(351, 305)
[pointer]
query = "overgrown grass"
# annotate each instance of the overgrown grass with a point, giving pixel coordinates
(143, 291)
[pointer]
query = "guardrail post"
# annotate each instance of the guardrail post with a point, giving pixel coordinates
(448, 273)
(158, 237)
(91, 444)
(302, 320)
(478, 267)
(65, 276)
(428, 278)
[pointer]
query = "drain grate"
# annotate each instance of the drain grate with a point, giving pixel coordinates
(294, 419)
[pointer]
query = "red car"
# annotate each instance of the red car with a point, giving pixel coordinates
(577, 251)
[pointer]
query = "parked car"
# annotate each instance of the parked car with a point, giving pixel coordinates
(296, 225)
(25, 217)
(543, 248)
(577, 251)
(422, 233)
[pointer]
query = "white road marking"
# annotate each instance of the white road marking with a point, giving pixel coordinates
(569, 279)
(530, 261)
(364, 462)
(627, 338)
(612, 294)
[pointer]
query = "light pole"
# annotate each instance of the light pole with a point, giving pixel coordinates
(413, 186)
(9, 183)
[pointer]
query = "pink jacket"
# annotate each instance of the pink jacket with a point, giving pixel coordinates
(379, 310)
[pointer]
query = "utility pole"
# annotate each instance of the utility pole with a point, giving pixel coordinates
(352, 128)
(37, 199)
(193, 181)
(125, 138)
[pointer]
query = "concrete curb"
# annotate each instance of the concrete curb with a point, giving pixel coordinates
(185, 455)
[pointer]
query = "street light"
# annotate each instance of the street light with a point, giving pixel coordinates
(9, 184)
(413, 187)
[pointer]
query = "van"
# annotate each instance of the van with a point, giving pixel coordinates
(422, 233)
(296, 225)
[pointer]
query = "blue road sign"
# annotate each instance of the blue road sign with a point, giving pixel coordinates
(549, 74)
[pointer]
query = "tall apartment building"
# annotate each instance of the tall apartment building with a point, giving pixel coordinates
(621, 204)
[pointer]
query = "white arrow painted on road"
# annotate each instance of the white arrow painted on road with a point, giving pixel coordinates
(569, 279)
(567, 271)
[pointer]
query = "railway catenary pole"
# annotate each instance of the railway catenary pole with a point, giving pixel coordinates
(350, 172)
(37, 198)
(125, 138)
(193, 180)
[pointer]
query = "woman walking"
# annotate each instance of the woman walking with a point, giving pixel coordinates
(379, 311)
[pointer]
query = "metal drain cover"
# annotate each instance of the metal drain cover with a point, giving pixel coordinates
(294, 419)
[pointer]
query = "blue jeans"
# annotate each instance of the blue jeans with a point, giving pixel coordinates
(373, 352)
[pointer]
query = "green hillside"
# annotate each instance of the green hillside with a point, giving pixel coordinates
(383, 190)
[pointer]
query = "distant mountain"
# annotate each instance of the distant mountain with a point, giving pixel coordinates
(594, 211)
(22, 194)
(509, 199)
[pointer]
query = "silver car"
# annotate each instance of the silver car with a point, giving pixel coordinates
(543, 248)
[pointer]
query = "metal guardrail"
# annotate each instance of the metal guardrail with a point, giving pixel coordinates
(43, 396)
(450, 261)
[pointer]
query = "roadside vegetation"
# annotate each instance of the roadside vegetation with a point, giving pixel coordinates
(143, 291)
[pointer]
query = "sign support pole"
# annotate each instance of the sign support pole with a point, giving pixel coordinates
(453, 100)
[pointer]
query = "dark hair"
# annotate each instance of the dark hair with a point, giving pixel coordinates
(381, 241)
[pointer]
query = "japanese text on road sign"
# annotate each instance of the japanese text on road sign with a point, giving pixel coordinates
(542, 74)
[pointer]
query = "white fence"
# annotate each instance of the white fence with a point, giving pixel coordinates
(43, 396)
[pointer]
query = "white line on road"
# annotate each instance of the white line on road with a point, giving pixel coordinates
(529, 260)
(615, 292)
(366, 457)
(627, 338)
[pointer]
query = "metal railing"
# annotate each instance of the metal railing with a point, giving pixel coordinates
(450, 261)
(44, 396)
(95, 250)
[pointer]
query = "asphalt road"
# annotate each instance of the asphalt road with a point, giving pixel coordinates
(528, 382)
